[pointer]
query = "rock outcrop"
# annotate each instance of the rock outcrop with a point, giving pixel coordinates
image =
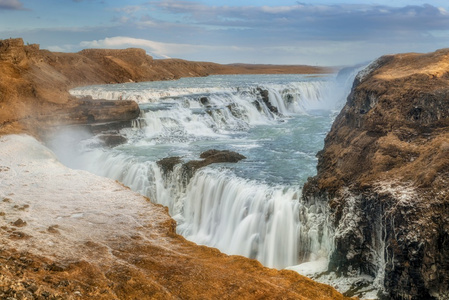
(384, 172)
(208, 157)
(266, 99)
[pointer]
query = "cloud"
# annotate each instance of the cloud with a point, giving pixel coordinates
(292, 34)
(11, 5)
(165, 50)
(130, 9)
(349, 21)
(158, 49)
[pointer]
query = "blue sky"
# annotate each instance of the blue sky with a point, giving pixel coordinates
(227, 31)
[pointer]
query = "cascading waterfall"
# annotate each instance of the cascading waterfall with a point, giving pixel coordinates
(218, 209)
(252, 208)
(242, 217)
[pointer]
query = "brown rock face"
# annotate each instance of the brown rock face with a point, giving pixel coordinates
(384, 171)
(34, 90)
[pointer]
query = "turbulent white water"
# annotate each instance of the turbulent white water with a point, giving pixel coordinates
(252, 208)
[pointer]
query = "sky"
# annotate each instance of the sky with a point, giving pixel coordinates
(323, 33)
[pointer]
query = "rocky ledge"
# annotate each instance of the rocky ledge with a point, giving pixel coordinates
(384, 172)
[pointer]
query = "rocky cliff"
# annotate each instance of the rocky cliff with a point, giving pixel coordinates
(384, 173)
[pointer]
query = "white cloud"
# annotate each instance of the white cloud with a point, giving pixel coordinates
(277, 9)
(158, 49)
(155, 48)
(130, 9)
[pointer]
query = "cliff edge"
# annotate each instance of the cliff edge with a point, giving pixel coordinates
(384, 173)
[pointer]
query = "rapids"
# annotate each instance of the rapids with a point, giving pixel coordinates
(252, 208)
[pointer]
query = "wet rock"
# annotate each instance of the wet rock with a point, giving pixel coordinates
(266, 99)
(204, 101)
(167, 164)
(89, 111)
(236, 111)
(257, 105)
(210, 157)
(112, 140)
(217, 156)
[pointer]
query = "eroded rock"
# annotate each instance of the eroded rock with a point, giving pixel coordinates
(167, 164)
(384, 174)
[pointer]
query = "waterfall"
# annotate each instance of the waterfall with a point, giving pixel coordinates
(219, 207)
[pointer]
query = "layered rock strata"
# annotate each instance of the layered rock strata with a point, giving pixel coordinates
(384, 172)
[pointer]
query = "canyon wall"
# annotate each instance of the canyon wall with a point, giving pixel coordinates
(384, 173)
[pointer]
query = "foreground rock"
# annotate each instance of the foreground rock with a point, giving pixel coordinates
(384, 173)
(81, 236)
